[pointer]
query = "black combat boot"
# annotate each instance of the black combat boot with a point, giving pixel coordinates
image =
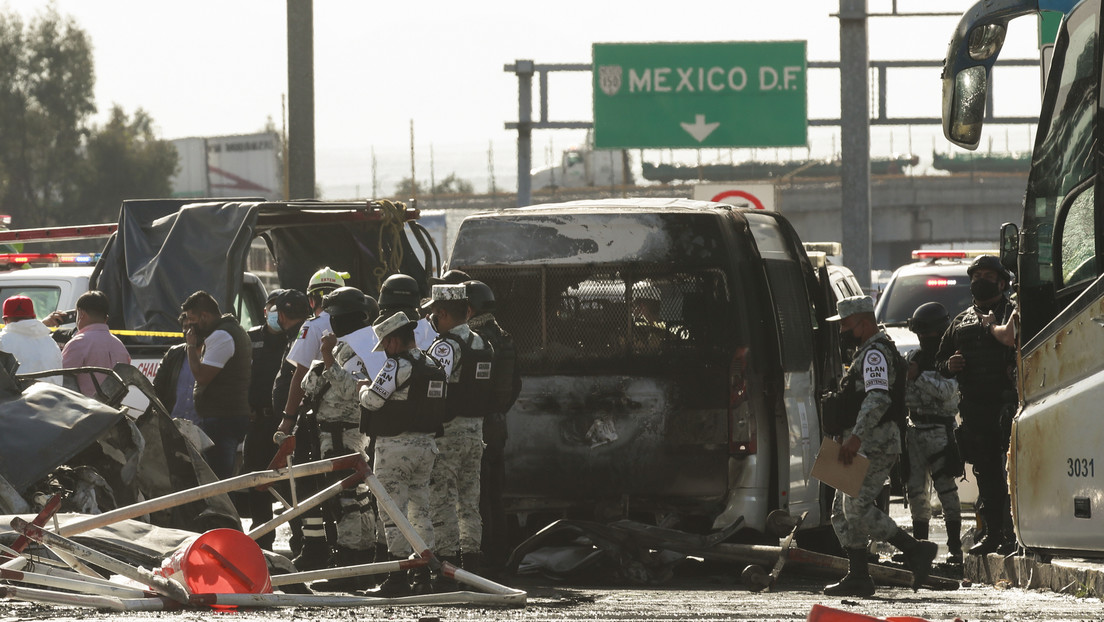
(472, 562)
(421, 580)
(920, 529)
(857, 581)
(954, 542)
(919, 555)
(994, 536)
(342, 557)
(396, 583)
(315, 555)
(441, 583)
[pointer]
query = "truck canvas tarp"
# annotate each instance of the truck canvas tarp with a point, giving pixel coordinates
(166, 249)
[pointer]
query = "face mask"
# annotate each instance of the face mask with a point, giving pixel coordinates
(274, 321)
(346, 323)
(984, 289)
(930, 344)
(433, 322)
(848, 340)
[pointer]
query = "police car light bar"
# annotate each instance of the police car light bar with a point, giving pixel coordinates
(79, 259)
(941, 282)
(828, 248)
(949, 254)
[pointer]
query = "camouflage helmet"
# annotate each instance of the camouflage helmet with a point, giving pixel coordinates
(989, 262)
(929, 317)
(480, 297)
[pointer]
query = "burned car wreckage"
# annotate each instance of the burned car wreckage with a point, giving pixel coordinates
(671, 353)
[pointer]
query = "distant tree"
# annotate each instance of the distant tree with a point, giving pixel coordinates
(123, 160)
(46, 95)
(453, 185)
(406, 189)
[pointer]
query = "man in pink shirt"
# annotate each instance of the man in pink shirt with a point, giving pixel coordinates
(93, 345)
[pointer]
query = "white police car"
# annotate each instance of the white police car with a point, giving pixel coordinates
(939, 276)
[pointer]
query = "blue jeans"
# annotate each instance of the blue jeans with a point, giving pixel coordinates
(226, 433)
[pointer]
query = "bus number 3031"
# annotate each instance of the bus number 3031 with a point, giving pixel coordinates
(1080, 467)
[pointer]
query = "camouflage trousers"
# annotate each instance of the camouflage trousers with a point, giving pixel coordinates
(927, 448)
(856, 519)
(403, 465)
(352, 510)
(454, 487)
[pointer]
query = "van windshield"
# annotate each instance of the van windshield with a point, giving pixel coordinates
(593, 237)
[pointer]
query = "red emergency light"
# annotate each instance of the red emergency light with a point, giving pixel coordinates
(938, 254)
(950, 254)
(86, 259)
(941, 282)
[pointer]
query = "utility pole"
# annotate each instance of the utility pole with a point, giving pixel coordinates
(300, 63)
(855, 134)
(525, 131)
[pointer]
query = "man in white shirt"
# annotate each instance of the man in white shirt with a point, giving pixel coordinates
(28, 339)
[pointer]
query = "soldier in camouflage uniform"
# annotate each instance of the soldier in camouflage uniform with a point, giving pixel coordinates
(405, 406)
(333, 383)
(865, 415)
(467, 360)
(932, 402)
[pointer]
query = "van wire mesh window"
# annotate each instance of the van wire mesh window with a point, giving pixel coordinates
(615, 317)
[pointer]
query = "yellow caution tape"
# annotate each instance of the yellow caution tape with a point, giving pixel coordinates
(133, 333)
(146, 333)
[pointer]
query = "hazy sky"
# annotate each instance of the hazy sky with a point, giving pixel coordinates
(207, 68)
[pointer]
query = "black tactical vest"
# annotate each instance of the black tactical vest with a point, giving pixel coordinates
(985, 377)
(228, 394)
(423, 410)
(507, 375)
(852, 396)
(473, 395)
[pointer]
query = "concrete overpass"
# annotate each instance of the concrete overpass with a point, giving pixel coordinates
(907, 211)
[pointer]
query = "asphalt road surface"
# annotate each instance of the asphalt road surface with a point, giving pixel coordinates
(713, 593)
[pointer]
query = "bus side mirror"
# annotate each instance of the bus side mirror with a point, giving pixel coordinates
(974, 48)
(1009, 246)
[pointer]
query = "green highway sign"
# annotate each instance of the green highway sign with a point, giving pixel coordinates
(693, 95)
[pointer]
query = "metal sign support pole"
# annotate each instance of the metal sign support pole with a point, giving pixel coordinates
(855, 133)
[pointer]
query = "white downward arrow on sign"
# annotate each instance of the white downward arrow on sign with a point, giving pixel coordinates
(700, 130)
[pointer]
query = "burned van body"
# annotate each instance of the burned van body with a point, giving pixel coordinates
(671, 354)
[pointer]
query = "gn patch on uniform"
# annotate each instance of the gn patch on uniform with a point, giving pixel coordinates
(384, 385)
(483, 371)
(436, 389)
(875, 371)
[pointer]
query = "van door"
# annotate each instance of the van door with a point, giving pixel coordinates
(793, 306)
